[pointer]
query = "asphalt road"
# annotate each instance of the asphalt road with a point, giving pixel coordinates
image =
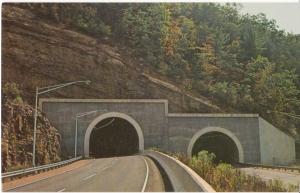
(265, 174)
(106, 174)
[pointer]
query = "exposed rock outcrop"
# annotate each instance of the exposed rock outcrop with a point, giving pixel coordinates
(17, 137)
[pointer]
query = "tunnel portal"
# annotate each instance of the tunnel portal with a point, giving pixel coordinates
(218, 143)
(113, 136)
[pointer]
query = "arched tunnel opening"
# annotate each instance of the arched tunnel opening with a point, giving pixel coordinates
(220, 144)
(113, 137)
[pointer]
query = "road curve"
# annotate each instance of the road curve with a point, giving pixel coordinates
(119, 174)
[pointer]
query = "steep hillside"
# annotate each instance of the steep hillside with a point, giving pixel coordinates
(17, 134)
(38, 53)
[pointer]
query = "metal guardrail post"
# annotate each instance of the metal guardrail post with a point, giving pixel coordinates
(38, 168)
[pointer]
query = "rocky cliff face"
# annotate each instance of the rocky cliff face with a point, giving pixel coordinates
(38, 53)
(17, 138)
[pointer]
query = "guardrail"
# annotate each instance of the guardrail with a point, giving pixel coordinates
(292, 169)
(38, 168)
(181, 177)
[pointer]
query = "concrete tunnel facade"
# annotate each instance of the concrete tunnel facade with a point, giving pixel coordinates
(256, 140)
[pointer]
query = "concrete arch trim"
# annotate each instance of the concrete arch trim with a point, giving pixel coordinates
(108, 115)
(201, 132)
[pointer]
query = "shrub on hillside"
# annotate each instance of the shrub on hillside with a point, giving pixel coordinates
(224, 177)
(11, 91)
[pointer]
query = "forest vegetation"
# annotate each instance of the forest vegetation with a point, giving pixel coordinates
(243, 63)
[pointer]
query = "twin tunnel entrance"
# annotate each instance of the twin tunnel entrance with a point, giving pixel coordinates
(116, 134)
(219, 144)
(222, 142)
(113, 137)
(113, 134)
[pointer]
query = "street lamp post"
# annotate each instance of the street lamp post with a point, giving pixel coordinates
(43, 90)
(76, 126)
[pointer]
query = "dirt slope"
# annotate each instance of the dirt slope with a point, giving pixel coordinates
(37, 53)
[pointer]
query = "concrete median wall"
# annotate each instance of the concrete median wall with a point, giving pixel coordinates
(182, 178)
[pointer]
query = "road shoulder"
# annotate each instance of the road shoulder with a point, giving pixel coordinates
(44, 175)
(155, 181)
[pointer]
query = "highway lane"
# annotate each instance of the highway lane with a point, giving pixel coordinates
(105, 174)
(266, 174)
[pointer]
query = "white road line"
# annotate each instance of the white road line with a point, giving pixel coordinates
(146, 177)
(61, 190)
(110, 165)
(38, 180)
(105, 168)
(114, 160)
(90, 176)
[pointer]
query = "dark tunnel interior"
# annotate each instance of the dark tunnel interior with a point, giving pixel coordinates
(218, 143)
(113, 137)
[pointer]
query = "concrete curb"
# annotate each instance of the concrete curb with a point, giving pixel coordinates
(182, 178)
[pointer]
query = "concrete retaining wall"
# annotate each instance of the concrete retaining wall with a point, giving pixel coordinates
(277, 148)
(245, 128)
(149, 114)
(257, 140)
